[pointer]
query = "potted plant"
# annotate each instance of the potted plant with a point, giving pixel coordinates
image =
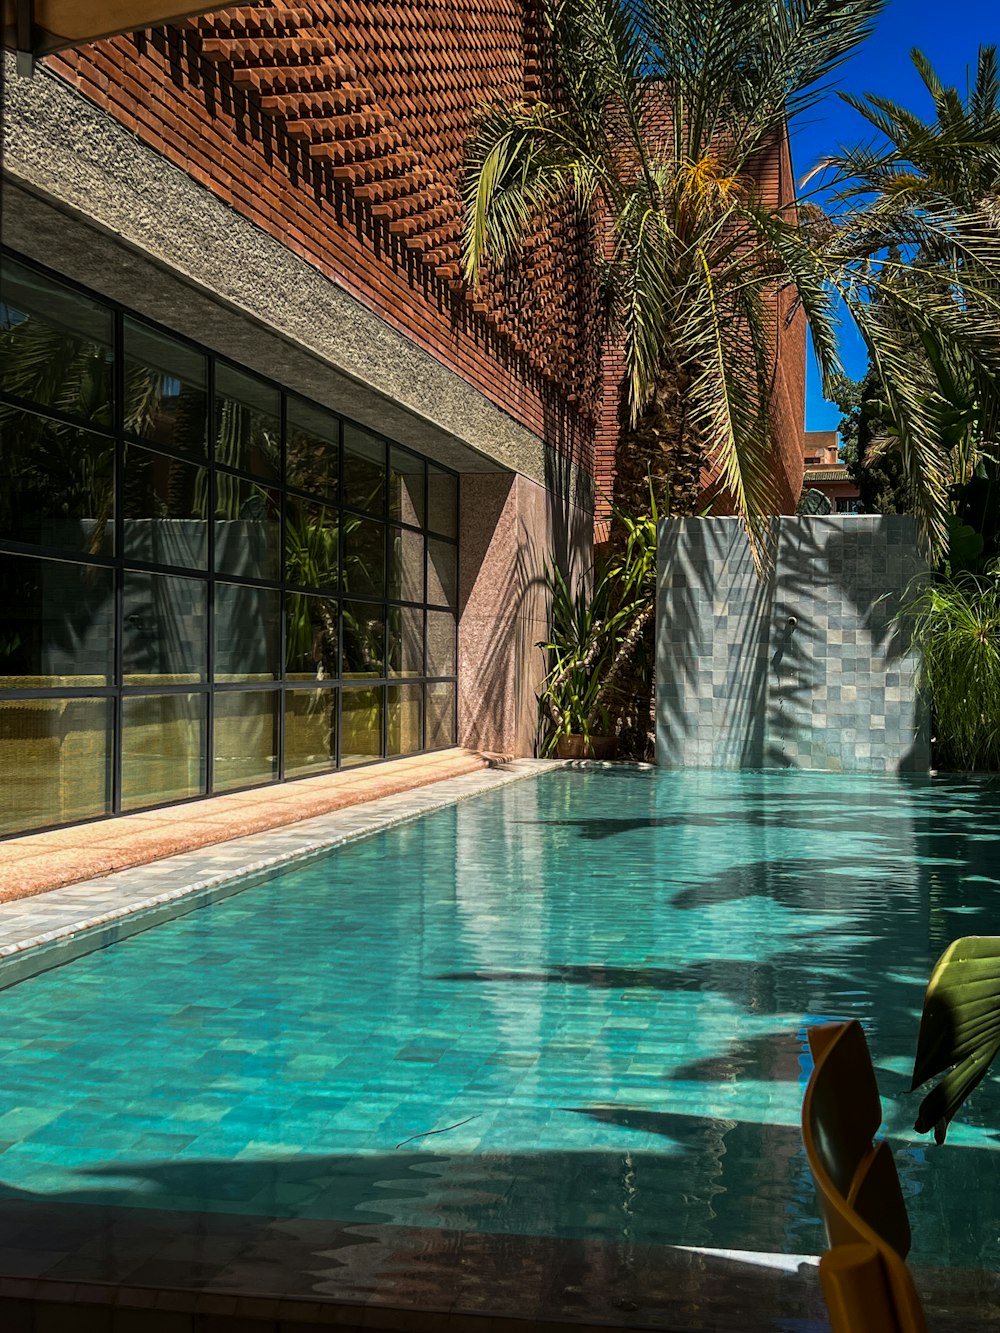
(595, 633)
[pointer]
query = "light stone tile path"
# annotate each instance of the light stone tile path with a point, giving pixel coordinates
(37, 862)
(51, 928)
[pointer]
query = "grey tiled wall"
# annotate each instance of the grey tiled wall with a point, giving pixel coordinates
(739, 685)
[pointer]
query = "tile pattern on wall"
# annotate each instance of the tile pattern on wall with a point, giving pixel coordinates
(803, 669)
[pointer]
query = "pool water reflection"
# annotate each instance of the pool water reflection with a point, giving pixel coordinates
(573, 1008)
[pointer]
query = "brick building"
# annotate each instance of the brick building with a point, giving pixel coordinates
(285, 498)
(824, 472)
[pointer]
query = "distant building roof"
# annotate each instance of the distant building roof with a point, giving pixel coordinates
(834, 472)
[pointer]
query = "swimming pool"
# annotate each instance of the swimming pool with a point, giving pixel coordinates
(572, 1010)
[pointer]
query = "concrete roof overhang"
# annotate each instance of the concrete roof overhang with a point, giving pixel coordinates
(35, 27)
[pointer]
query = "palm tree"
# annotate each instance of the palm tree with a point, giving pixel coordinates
(665, 111)
(913, 246)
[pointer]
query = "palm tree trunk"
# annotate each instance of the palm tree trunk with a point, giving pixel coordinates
(660, 457)
(662, 449)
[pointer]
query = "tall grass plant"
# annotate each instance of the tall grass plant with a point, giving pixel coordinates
(956, 630)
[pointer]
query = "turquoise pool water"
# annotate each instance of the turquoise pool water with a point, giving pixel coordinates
(593, 987)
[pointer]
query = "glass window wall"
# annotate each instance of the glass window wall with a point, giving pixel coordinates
(207, 583)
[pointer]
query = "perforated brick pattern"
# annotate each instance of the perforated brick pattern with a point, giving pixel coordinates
(339, 126)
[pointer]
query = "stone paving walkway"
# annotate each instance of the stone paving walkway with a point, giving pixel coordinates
(38, 862)
(49, 928)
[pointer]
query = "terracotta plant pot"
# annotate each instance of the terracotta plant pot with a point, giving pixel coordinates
(598, 747)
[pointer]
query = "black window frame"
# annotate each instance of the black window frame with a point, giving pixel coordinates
(120, 441)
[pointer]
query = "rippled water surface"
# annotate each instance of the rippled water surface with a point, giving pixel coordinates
(593, 988)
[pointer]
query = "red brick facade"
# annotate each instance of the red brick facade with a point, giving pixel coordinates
(338, 127)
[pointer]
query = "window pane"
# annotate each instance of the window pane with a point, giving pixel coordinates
(313, 449)
(166, 398)
(310, 731)
(440, 716)
(406, 487)
(406, 565)
(247, 623)
(404, 731)
(164, 639)
(55, 346)
(442, 501)
(310, 637)
(312, 534)
(440, 643)
(247, 529)
(364, 639)
(55, 761)
(246, 738)
(166, 510)
(247, 423)
(57, 623)
(361, 725)
(442, 573)
(163, 748)
(364, 470)
(364, 557)
(406, 641)
(56, 484)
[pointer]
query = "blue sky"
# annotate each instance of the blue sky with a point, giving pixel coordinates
(950, 34)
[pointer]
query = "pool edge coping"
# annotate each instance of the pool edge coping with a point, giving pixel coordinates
(40, 952)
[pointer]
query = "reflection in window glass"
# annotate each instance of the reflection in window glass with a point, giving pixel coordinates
(364, 470)
(312, 453)
(406, 641)
(442, 501)
(364, 639)
(55, 346)
(247, 529)
(247, 637)
(246, 738)
(310, 636)
(247, 423)
(57, 625)
(226, 583)
(404, 719)
(364, 557)
(310, 731)
(406, 565)
(361, 725)
(56, 484)
(440, 715)
(440, 643)
(55, 761)
(163, 748)
(442, 573)
(406, 487)
(166, 510)
(164, 630)
(165, 390)
(312, 536)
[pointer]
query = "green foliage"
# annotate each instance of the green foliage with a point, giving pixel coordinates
(666, 111)
(597, 633)
(965, 546)
(959, 1029)
(956, 630)
(914, 250)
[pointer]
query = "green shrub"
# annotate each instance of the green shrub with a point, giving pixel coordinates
(956, 629)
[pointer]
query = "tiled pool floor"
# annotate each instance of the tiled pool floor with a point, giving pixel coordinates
(598, 1016)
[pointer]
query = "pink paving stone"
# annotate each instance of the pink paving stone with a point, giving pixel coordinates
(33, 864)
